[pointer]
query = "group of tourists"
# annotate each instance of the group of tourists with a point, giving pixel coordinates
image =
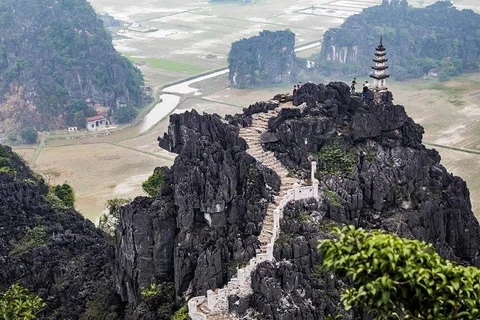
(365, 88)
(296, 87)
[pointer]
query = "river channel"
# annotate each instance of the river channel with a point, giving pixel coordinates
(170, 96)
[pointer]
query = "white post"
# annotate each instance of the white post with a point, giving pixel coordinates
(314, 169)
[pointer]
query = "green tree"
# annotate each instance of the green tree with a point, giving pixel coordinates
(397, 278)
(153, 185)
(29, 134)
(80, 119)
(125, 114)
(17, 303)
(65, 193)
(181, 314)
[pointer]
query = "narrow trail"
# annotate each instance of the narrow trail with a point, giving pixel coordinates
(241, 285)
(252, 136)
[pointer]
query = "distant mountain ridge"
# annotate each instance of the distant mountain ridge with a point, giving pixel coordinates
(417, 40)
(53, 55)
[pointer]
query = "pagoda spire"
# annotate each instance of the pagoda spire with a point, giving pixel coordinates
(379, 74)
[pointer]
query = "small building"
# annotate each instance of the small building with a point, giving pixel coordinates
(379, 74)
(96, 122)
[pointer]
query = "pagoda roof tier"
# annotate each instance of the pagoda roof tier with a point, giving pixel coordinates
(380, 54)
(380, 48)
(379, 76)
(380, 60)
(380, 67)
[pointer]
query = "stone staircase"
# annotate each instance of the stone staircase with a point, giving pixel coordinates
(215, 305)
(252, 136)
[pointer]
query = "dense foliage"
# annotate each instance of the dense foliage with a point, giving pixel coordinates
(160, 300)
(397, 278)
(261, 60)
(55, 55)
(153, 185)
(125, 114)
(18, 303)
(29, 135)
(417, 40)
(65, 193)
(333, 160)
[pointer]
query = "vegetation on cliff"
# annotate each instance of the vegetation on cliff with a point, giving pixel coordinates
(398, 278)
(54, 57)
(265, 59)
(153, 185)
(417, 40)
(51, 250)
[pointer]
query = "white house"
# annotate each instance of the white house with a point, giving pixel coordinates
(96, 122)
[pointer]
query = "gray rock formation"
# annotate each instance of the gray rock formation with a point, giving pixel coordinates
(395, 183)
(207, 218)
(372, 167)
(52, 251)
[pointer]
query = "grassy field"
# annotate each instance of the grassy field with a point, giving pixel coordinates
(193, 37)
(168, 65)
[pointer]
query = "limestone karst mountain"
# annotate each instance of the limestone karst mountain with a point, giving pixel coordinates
(241, 196)
(438, 36)
(268, 58)
(56, 63)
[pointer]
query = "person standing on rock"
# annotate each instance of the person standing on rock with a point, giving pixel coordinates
(354, 82)
(294, 89)
(365, 91)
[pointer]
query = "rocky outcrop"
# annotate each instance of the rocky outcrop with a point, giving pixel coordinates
(375, 173)
(216, 197)
(52, 251)
(268, 58)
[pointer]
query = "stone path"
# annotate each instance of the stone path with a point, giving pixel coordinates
(198, 307)
(267, 158)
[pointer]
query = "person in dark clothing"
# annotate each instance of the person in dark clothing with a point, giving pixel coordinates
(365, 91)
(354, 82)
(294, 89)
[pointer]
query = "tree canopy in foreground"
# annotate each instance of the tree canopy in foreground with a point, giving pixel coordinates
(398, 278)
(18, 303)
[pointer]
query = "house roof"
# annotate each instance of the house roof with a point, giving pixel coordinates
(95, 118)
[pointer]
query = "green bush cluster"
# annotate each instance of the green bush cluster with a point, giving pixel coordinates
(154, 184)
(333, 160)
(61, 197)
(19, 304)
(29, 135)
(397, 278)
(181, 314)
(125, 114)
(150, 291)
(6, 165)
(65, 193)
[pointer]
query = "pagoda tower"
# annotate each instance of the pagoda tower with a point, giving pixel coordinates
(379, 74)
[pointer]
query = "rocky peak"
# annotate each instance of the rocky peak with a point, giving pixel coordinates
(215, 197)
(374, 172)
